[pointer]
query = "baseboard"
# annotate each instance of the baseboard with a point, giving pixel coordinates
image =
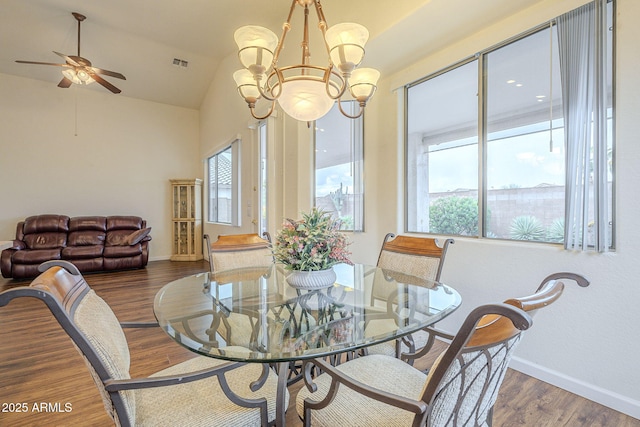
(160, 258)
(166, 258)
(597, 394)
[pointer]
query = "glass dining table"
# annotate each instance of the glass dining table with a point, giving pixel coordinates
(253, 315)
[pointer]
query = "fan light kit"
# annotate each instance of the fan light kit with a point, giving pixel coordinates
(78, 70)
(305, 92)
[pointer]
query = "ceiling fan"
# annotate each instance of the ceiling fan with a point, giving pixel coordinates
(78, 70)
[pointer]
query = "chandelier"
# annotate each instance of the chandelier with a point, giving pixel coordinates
(305, 92)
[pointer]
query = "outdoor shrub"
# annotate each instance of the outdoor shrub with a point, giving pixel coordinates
(454, 215)
(527, 228)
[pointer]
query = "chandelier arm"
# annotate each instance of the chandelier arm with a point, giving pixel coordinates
(306, 54)
(253, 111)
(264, 95)
(327, 79)
(280, 76)
(344, 113)
(285, 29)
(322, 24)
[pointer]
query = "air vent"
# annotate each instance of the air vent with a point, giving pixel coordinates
(180, 63)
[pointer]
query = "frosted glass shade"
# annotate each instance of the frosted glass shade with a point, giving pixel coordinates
(256, 46)
(246, 85)
(362, 83)
(79, 78)
(346, 44)
(305, 100)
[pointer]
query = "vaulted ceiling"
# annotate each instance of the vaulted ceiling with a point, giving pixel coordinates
(141, 38)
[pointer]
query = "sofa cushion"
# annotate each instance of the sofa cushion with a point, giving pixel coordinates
(82, 252)
(122, 251)
(36, 256)
(125, 223)
(122, 263)
(96, 223)
(45, 223)
(47, 240)
(86, 238)
(91, 264)
(117, 238)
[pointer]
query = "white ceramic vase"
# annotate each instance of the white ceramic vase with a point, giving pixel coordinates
(311, 279)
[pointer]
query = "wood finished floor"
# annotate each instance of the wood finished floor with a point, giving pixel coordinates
(39, 365)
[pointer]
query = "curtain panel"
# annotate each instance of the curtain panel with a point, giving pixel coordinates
(582, 40)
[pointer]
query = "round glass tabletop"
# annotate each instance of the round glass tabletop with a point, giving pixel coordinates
(254, 315)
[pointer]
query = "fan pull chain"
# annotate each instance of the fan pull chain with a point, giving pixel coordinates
(75, 133)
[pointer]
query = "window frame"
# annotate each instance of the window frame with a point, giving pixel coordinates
(234, 148)
(356, 161)
(263, 177)
(482, 136)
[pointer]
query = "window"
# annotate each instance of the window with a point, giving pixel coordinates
(442, 153)
(223, 185)
(525, 155)
(485, 149)
(338, 166)
(262, 178)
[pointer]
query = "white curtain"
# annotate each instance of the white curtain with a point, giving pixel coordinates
(582, 39)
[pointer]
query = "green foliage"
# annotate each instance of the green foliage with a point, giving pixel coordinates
(556, 231)
(527, 227)
(346, 222)
(454, 215)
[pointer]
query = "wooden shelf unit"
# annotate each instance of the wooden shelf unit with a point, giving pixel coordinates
(186, 228)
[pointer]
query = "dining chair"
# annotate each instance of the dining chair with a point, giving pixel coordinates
(200, 391)
(233, 251)
(229, 254)
(404, 258)
(460, 389)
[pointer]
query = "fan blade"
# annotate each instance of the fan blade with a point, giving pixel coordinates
(43, 63)
(108, 73)
(105, 83)
(64, 83)
(66, 58)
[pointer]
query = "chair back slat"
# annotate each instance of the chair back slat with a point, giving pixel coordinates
(238, 251)
(463, 384)
(413, 246)
(417, 256)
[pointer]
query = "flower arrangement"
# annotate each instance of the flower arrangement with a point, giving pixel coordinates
(312, 243)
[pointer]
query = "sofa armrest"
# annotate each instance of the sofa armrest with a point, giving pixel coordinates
(5, 262)
(18, 245)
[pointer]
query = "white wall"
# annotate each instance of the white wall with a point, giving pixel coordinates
(584, 342)
(119, 163)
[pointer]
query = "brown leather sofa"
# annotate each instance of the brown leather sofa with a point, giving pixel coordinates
(91, 243)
